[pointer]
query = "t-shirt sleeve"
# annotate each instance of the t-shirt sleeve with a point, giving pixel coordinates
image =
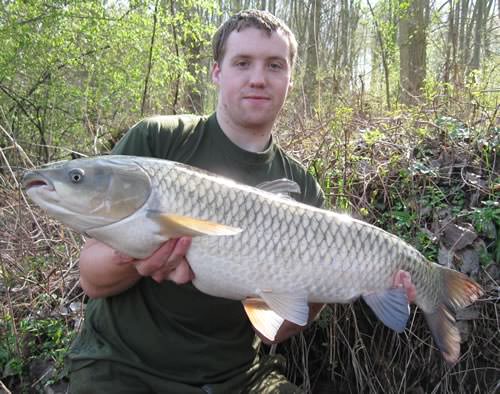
(158, 136)
(312, 193)
(135, 141)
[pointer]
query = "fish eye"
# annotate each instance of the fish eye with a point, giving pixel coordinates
(76, 175)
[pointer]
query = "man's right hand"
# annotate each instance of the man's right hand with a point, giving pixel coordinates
(167, 263)
(105, 272)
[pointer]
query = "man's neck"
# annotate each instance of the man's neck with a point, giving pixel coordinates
(249, 139)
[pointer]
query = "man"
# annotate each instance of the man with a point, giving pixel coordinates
(147, 329)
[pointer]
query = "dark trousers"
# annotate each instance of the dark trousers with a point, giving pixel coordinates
(266, 377)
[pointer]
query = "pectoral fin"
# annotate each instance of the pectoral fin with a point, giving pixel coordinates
(391, 307)
(175, 226)
(268, 312)
(265, 320)
(290, 306)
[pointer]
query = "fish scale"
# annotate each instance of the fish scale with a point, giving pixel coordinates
(271, 252)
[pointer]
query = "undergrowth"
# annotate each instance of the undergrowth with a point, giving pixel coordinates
(414, 172)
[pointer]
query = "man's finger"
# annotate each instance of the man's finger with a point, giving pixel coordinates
(157, 260)
(403, 279)
(411, 290)
(182, 273)
(164, 260)
(121, 258)
(164, 251)
(180, 249)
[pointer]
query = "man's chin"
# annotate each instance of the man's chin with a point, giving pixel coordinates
(258, 120)
(256, 123)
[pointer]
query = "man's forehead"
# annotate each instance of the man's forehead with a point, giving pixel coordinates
(251, 41)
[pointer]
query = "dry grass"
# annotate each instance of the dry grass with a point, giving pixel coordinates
(38, 283)
(347, 350)
(420, 164)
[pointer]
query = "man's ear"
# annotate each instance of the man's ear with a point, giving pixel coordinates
(215, 73)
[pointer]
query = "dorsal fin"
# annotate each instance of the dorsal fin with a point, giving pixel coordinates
(282, 187)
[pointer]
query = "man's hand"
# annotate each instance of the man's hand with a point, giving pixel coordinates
(167, 263)
(403, 279)
(105, 272)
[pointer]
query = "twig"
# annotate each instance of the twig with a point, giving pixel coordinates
(5, 390)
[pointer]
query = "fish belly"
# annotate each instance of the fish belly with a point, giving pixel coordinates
(227, 267)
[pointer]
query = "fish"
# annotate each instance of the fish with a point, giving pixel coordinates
(254, 244)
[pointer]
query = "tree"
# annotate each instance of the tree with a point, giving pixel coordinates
(311, 81)
(414, 16)
(384, 50)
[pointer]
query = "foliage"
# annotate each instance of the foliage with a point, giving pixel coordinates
(32, 339)
(74, 75)
(411, 172)
(73, 72)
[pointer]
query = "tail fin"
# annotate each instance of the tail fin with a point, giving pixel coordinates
(457, 292)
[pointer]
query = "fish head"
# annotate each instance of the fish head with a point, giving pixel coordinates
(91, 192)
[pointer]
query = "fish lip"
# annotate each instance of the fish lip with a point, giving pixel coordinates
(33, 179)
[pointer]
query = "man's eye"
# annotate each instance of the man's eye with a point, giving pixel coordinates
(242, 64)
(275, 66)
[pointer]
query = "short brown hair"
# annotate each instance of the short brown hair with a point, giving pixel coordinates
(261, 20)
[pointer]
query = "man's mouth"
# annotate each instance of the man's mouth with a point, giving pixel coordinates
(257, 98)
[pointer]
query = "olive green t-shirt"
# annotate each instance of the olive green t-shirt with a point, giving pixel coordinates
(175, 331)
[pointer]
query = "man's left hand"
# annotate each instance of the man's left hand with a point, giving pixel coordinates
(403, 279)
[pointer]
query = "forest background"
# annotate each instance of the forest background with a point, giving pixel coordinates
(394, 109)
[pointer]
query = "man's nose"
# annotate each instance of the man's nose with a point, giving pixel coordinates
(257, 78)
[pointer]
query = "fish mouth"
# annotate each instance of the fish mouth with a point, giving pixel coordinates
(33, 179)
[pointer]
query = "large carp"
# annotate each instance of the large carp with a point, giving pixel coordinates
(251, 244)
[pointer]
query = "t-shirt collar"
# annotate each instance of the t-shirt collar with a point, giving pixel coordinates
(237, 153)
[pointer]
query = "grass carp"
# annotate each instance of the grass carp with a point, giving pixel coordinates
(251, 244)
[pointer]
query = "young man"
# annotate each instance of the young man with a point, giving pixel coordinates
(147, 329)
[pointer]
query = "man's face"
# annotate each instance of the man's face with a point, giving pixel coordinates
(253, 77)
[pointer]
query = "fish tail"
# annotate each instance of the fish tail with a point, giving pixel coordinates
(456, 291)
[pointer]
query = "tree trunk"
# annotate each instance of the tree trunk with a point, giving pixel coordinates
(489, 25)
(236, 5)
(383, 54)
(272, 7)
(150, 60)
(192, 44)
(464, 12)
(349, 17)
(412, 51)
(451, 44)
(312, 59)
(478, 28)
(467, 39)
